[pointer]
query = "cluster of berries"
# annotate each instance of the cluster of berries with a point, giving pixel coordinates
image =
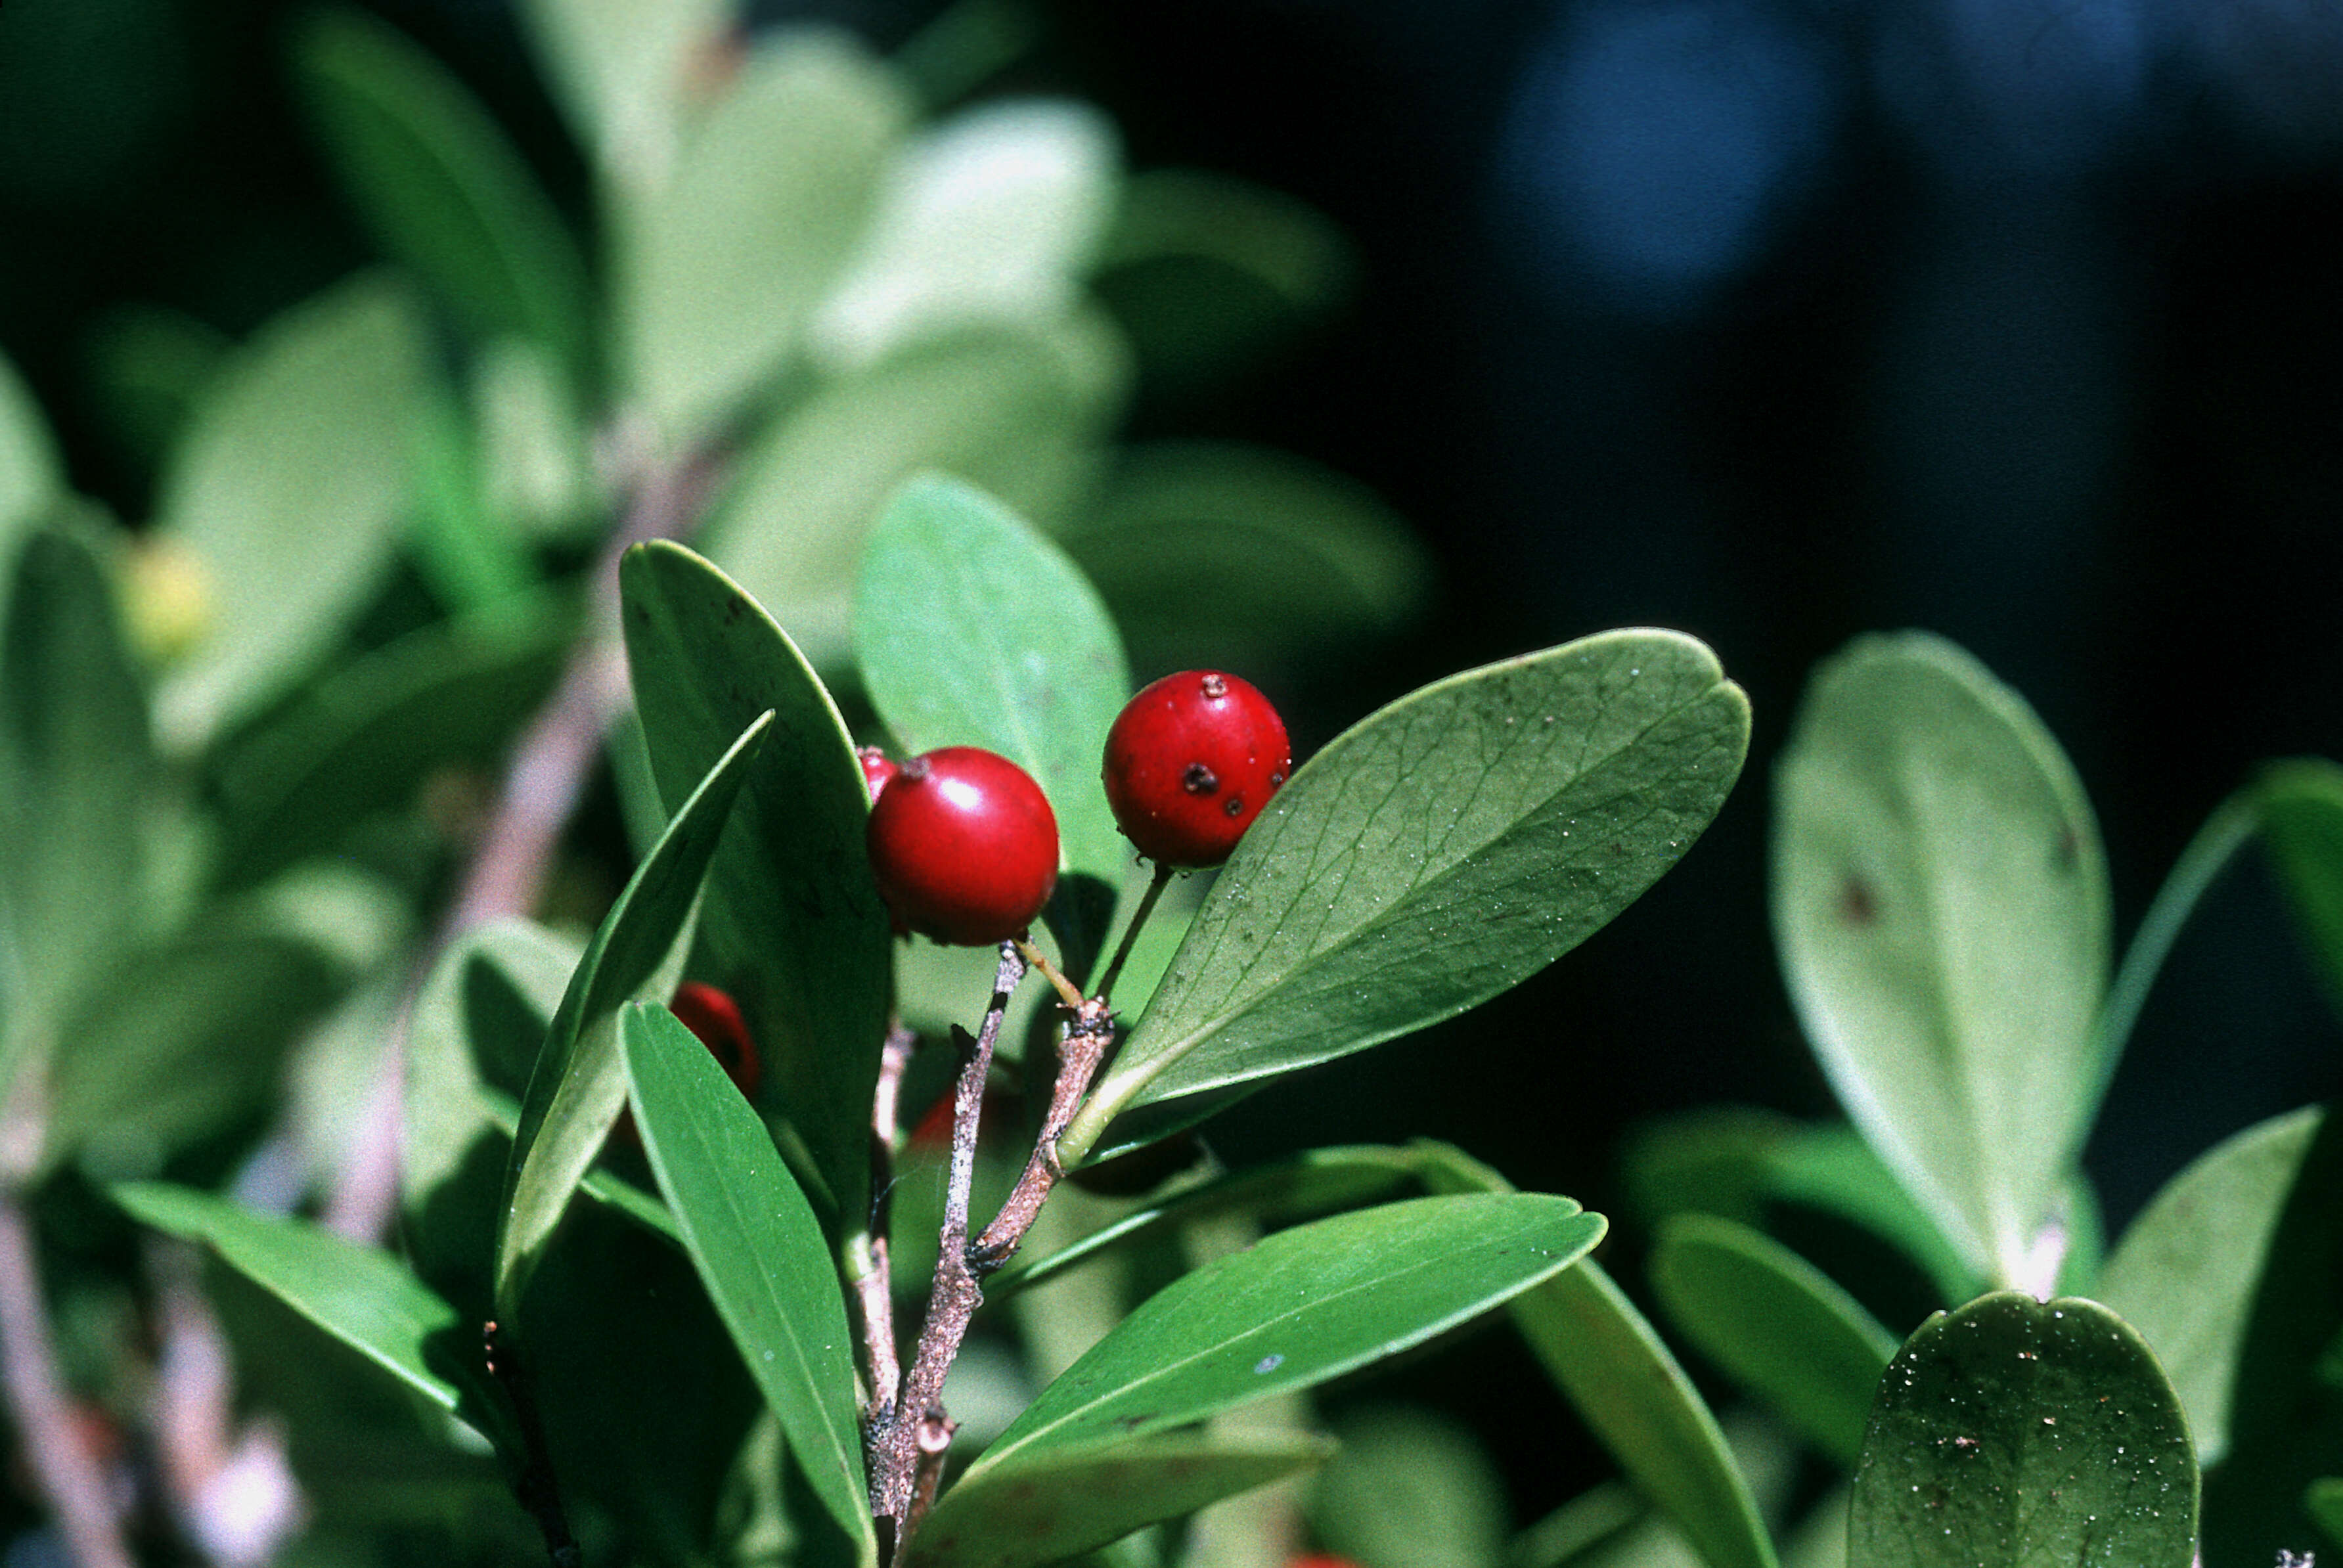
(965, 846)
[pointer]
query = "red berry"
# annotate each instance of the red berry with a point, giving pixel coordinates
(1190, 763)
(715, 1017)
(877, 768)
(964, 846)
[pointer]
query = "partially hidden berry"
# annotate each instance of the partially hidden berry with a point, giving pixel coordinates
(1190, 763)
(964, 846)
(877, 768)
(715, 1017)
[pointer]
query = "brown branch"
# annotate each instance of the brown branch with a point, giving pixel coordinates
(918, 1418)
(873, 1284)
(1080, 1053)
(68, 1474)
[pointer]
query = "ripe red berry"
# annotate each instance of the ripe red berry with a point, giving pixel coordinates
(964, 846)
(877, 768)
(1190, 763)
(716, 1018)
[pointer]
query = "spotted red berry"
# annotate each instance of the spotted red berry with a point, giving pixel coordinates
(877, 768)
(1190, 763)
(964, 846)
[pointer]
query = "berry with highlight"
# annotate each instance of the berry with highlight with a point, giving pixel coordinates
(964, 846)
(1190, 763)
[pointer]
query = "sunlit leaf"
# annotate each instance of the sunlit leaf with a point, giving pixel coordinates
(624, 72)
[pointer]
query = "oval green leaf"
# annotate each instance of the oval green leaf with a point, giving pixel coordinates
(578, 1082)
(793, 920)
(1620, 1376)
(2016, 1432)
(1776, 1324)
(1941, 906)
(1439, 851)
(1298, 1308)
(758, 1249)
(973, 629)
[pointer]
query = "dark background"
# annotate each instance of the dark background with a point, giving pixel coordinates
(1773, 320)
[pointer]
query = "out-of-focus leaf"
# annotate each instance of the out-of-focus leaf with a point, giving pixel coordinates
(1440, 850)
(793, 922)
(1071, 1500)
(76, 778)
(1776, 1324)
(535, 473)
(30, 475)
(1573, 1532)
(2323, 1501)
(625, 73)
(1215, 553)
(1619, 1375)
(2184, 1274)
(367, 736)
(149, 365)
(990, 217)
(1019, 414)
(971, 630)
(759, 1251)
(289, 490)
(1833, 1169)
(1941, 906)
(2018, 1431)
(579, 1083)
(439, 184)
(1298, 1308)
(360, 1296)
(1410, 1489)
(2302, 827)
(721, 270)
(469, 554)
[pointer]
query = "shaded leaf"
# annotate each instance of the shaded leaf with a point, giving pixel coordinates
(793, 919)
(2185, 1273)
(1437, 852)
(1776, 1324)
(30, 474)
(2301, 806)
(1618, 1374)
(732, 254)
(1069, 1501)
(1410, 1488)
(1018, 413)
(2323, 1501)
(971, 630)
(579, 1082)
(1832, 1169)
(437, 183)
(1941, 906)
(1298, 1308)
(758, 1249)
(289, 490)
(149, 365)
(2016, 1432)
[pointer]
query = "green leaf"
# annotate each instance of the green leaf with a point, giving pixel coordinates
(793, 922)
(622, 71)
(1775, 1323)
(992, 216)
(1833, 1169)
(1218, 554)
(289, 489)
(2302, 827)
(360, 1296)
(1298, 1308)
(364, 738)
(720, 272)
(1411, 1488)
(1018, 413)
(759, 1251)
(1618, 1374)
(77, 780)
(2323, 1501)
(1941, 906)
(2185, 1273)
(971, 630)
(147, 367)
(437, 183)
(1304, 1187)
(31, 476)
(578, 1082)
(1440, 850)
(2018, 1432)
(1069, 1501)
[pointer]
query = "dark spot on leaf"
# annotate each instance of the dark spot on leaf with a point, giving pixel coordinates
(1856, 906)
(2071, 847)
(1198, 780)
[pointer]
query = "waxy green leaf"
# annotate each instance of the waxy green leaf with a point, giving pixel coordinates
(793, 920)
(1435, 854)
(973, 629)
(1297, 1308)
(578, 1082)
(758, 1249)
(1058, 1505)
(439, 185)
(1941, 906)
(2016, 1432)
(1776, 1324)
(2185, 1273)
